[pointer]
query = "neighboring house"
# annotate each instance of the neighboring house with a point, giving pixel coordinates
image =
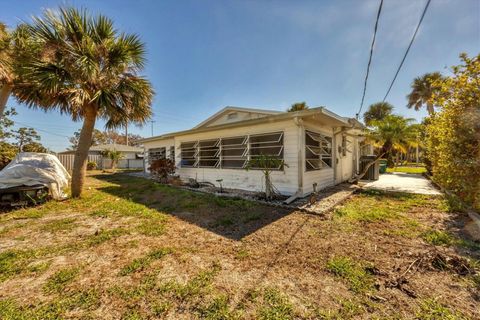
(132, 157)
(318, 146)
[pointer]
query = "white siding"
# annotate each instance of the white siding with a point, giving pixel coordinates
(285, 181)
(323, 177)
(129, 155)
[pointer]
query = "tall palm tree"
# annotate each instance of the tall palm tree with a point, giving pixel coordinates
(391, 131)
(377, 111)
(423, 89)
(84, 68)
(6, 77)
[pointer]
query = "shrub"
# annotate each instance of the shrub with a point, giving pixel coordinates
(91, 165)
(161, 168)
(453, 134)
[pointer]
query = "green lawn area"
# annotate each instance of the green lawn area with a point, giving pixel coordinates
(135, 249)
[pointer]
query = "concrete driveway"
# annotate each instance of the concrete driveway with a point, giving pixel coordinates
(403, 182)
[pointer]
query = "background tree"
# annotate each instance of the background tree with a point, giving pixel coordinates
(84, 67)
(105, 137)
(35, 147)
(298, 106)
(453, 134)
(6, 75)
(7, 153)
(423, 89)
(113, 136)
(6, 123)
(377, 111)
(7, 150)
(24, 136)
(98, 137)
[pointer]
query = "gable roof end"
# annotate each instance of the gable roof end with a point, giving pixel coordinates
(229, 109)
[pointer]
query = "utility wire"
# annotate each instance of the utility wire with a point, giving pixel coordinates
(408, 49)
(370, 58)
(45, 131)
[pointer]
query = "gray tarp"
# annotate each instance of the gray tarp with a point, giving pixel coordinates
(30, 168)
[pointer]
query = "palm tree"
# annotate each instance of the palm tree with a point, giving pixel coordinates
(391, 131)
(377, 111)
(84, 68)
(6, 77)
(114, 156)
(298, 106)
(423, 89)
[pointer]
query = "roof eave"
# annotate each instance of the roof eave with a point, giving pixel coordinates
(272, 118)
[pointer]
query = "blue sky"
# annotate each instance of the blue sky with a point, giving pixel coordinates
(204, 55)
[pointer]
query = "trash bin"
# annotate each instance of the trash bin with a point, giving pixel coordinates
(373, 171)
(383, 165)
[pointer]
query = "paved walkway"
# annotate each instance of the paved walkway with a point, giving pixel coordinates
(403, 182)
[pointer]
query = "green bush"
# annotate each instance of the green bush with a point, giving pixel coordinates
(453, 134)
(91, 165)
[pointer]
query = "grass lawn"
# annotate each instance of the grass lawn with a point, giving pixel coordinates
(134, 249)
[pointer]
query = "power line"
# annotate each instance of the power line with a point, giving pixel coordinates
(408, 49)
(370, 58)
(55, 134)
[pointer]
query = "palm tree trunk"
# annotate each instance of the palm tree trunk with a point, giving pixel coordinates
(81, 154)
(4, 94)
(430, 109)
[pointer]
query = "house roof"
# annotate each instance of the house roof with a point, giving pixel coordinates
(230, 109)
(112, 146)
(117, 147)
(275, 116)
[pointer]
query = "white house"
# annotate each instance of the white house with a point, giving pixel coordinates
(317, 146)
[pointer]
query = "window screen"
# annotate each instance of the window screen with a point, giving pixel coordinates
(172, 153)
(209, 153)
(270, 144)
(234, 152)
(156, 154)
(188, 154)
(318, 151)
(230, 152)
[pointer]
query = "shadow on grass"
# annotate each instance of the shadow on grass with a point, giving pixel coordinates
(231, 218)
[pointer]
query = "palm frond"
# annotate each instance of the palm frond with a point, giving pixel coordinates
(72, 59)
